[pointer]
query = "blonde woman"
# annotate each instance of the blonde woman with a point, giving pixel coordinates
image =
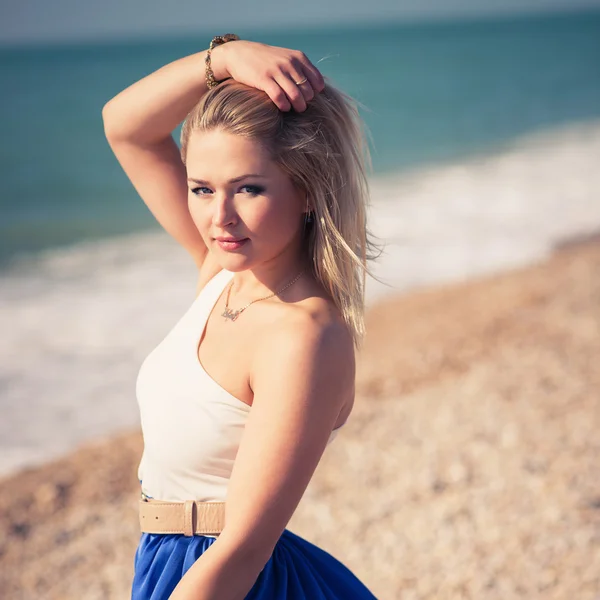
(239, 401)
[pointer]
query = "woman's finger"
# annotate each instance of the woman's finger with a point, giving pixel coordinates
(307, 90)
(274, 91)
(292, 91)
(314, 75)
(303, 83)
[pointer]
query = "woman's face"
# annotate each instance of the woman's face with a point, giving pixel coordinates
(237, 191)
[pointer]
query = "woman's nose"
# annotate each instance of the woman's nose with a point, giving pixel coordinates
(224, 211)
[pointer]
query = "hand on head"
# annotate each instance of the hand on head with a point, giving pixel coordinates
(286, 76)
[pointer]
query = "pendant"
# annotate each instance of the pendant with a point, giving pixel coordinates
(230, 314)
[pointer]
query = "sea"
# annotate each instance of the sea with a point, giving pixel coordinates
(485, 141)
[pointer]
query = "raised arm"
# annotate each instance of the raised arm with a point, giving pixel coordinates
(139, 121)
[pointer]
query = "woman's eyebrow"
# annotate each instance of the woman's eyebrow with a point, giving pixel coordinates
(235, 180)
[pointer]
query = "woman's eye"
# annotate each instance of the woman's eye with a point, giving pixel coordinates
(253, 190)
(200, 191)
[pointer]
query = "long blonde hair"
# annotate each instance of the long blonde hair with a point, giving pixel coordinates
(324, 152)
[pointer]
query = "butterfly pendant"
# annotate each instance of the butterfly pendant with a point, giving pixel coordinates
(230, 314)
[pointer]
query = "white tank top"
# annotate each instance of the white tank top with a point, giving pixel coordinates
(191, 426)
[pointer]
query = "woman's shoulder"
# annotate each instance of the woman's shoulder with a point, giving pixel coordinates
(310, 347)
(305, 337)
(310, 318)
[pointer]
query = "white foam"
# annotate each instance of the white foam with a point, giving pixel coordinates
(77, 322)
(489, 213)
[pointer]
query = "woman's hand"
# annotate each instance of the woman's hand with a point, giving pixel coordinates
(271, 69)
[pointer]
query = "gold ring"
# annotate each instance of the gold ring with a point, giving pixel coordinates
(302, 81)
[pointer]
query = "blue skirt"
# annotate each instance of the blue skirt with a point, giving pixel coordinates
(296, 570)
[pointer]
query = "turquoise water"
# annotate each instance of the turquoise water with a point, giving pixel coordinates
(432, 92)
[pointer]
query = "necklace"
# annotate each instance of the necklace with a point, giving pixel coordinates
(233, 315)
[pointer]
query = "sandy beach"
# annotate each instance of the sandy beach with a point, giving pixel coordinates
(468, 468)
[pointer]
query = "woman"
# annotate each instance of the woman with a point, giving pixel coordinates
(268, 194)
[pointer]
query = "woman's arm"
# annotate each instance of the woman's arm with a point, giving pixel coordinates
(223, 572)
(138, 122)
(302, 375)
(150, 109)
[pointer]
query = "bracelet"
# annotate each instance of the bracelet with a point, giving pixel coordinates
(211, 82)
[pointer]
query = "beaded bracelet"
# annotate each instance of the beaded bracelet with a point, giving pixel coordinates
(211, 82)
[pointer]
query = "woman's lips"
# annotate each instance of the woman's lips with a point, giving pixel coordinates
(231, 245)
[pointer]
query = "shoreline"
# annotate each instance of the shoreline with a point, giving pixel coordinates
(466, 468)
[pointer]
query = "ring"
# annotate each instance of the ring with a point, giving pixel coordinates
(301, 81)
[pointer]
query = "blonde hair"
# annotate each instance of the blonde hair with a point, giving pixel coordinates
(324, 151)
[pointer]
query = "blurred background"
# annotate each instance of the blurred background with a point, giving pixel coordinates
(485, 137)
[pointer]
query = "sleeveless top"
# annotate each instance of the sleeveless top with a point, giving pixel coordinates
(191, 426)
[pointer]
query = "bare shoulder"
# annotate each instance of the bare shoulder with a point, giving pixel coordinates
(314, 319)
(308, 336)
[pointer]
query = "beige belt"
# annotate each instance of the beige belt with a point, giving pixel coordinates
(189, 518)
